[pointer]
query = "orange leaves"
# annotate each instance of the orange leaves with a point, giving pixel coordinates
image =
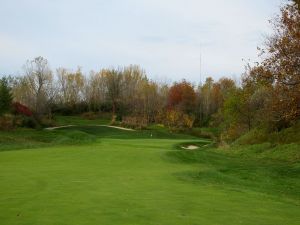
(279, 71)
(182, 96)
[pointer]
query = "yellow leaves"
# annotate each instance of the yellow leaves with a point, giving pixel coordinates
(178, 119)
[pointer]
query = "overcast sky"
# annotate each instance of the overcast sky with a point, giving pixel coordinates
(165, 37)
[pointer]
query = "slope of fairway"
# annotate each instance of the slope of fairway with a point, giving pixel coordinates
(120, 179)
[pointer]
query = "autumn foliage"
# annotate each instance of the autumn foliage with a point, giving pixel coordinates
(279, 70)
(21, 109)
(182, 97)
(268, 96)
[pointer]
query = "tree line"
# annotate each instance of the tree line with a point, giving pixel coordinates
(126, 93)
(268, 96)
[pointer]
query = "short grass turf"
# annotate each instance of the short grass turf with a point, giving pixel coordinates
(122, 177)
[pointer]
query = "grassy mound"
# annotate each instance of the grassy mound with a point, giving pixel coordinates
(285, 136)
(30, 138)
(265, 176)
(260, 144)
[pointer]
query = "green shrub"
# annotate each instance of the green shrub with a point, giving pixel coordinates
(260, 135)
(29, 122)
(6, 122)
(232, 133)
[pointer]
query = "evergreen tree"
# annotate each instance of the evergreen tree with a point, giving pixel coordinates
(5, 96)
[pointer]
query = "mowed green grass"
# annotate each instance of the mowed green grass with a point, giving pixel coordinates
(123, 177)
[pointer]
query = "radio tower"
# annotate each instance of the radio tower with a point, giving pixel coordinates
(200, 68)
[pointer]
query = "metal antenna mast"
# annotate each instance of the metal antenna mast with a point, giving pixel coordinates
(200, 68)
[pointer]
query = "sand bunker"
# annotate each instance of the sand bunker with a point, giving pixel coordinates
(190, 147)
(54, 128)
(120, 128)
(115, 127)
